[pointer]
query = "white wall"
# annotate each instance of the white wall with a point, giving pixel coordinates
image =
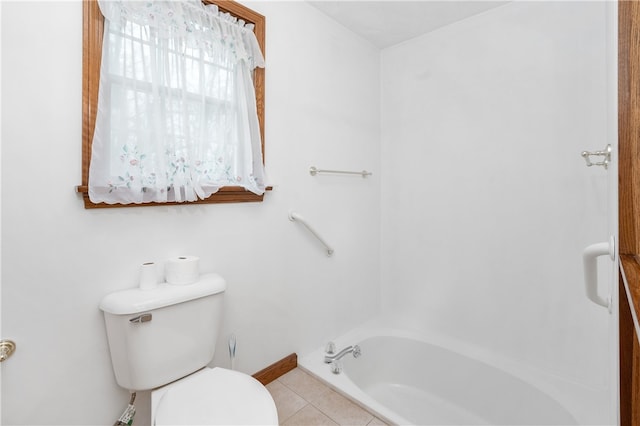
(483, 199)
(59, 260)
(486, 202)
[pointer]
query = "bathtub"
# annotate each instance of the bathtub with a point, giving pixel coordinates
(404, 378)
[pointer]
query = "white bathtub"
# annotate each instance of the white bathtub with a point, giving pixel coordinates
(405, 379)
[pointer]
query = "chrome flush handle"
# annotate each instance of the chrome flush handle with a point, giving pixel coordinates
(141, 318)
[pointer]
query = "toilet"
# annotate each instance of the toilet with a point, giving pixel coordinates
(162, 339)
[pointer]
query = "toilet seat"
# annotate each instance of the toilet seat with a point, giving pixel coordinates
(214, 396)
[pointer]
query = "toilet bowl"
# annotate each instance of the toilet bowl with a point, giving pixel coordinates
(213, 396)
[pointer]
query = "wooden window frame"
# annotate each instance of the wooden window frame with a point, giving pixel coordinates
(93, 28)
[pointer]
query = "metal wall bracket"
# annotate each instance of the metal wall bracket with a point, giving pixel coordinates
(606, 153)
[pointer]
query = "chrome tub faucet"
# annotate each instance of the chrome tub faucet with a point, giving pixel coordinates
(355, 350)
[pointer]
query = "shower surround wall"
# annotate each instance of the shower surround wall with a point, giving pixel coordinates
(486, 202)
(59, 260)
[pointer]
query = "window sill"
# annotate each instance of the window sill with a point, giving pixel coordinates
(230, 194)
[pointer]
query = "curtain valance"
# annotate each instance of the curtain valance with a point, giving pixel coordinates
(201, 25)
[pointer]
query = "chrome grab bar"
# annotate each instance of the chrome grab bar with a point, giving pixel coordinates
(295, 217)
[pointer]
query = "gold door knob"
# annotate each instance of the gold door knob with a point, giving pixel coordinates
(7, 348)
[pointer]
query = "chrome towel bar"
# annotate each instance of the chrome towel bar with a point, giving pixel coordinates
(295, 217)
(314, 171)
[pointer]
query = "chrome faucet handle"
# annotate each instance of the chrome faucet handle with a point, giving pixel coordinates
(330, 348)
(357, 351)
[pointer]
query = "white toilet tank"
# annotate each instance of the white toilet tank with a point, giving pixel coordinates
(160, 335)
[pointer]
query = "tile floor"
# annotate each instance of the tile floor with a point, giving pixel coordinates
(302, 399)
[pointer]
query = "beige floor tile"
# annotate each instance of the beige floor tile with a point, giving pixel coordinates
(303, 400)
(309, 416)
(287, 401)
(376, 422)
(341, 410)
(303, 384)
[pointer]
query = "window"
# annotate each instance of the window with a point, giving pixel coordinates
(92, 54)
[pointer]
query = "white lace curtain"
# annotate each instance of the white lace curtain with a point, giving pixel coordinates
(176, 116)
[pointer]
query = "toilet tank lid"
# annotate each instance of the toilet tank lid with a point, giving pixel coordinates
(135, 300)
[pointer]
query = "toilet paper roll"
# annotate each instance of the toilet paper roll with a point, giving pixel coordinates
(148, 276)
(182, 270)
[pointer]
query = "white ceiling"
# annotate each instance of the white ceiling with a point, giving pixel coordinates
(390, 22)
